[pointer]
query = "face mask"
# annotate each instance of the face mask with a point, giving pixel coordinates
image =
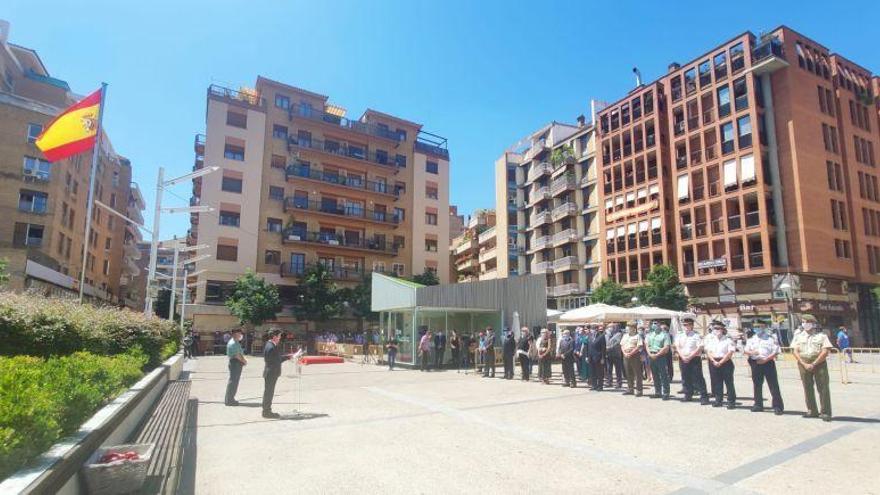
(653, 327)
(632, 331)
(718, 333)
(809, 327)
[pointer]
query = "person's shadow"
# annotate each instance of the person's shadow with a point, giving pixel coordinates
(301, 416)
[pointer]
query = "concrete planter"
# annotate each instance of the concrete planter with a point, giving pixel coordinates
(58, 470)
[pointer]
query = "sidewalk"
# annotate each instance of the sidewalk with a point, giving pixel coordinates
(363, 429)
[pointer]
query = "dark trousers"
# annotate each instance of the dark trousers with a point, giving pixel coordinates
(544, 369)
(767, 371)
(268, 391)
(722, 378)
(660, 373)
(508, 367)
(568, 370)
(692, 377)
(615, 368)
(489, 365)
(525, 366)
(670, 369)
(634, 373)
(438, 357)
(597, 374)
(234, 376)
(425, 361)
(392, 359)
(456, 358)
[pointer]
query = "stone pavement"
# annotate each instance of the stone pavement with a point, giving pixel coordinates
(349, 428)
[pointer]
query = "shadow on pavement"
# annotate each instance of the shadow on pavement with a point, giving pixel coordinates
(187, 482)
(300, 416)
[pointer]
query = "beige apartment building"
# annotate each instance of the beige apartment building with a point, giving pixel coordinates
(546, 191)
(474, 251)
(45, 203)
(301, 184)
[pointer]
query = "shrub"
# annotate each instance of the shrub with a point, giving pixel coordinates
(42, 400)
(44, 327)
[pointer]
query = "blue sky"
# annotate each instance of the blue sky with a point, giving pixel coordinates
(481, 73)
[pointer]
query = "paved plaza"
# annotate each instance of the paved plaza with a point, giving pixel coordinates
(350, 428)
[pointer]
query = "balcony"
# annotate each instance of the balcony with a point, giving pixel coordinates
(564, 210)
(344, 274)
(539, 194)
(315, 115)
(431, 144)
(199, 144)
(541, 243)
(564, 237)
(589, 178)
(350, 182)
(487, 235)
(538, 170)
(562, 290)
(327, 239)
(244, 97)
(566, 263)
(342, 149)
(468, 263)
(538, 219)
(768, 56)
(564, 183)
(540, 267)
(465, 246)
(536, 149)
(489, 274)
(354, 212)
(488, 254)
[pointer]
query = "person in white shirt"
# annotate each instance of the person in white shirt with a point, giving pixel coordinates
(719, 352)
(690, 348)
(762, 349)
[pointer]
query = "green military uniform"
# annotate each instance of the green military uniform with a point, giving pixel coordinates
(808, 345)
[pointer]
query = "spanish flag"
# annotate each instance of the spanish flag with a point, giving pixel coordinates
(73, 131)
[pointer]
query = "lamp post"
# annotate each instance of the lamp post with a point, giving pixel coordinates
(177, 251)
(785, 286)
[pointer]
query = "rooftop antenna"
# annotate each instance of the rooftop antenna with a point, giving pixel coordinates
(638, 74)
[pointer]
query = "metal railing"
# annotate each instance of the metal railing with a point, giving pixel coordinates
(337, 273)
(352, 182)
(343, 211)
(343, 149)
(231, 94)
(311, 113)
(328, 239)
(538, 170)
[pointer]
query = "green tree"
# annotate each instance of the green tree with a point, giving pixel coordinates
(663, 289)
(253, 300)
(426, 278)
(4, 274)
(319, 297)
(359, 299)
(610, 292)
(162, 303)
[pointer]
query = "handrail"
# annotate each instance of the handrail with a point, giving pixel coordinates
(300, 170)
(344, 149)
(345, 211)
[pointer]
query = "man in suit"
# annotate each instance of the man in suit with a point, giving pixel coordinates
(273, 358)
(508, 349)
(439, 349)
(489, 345)
(596, 356)
(566, 352)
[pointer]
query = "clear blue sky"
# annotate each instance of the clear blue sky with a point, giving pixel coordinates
(481, 73)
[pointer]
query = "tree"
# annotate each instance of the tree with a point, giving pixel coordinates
(4, 274)
(253, 300)
(426, 278)
(162, 303)
(610, 292)
(359, 299)
(663, 289)
(319, 297)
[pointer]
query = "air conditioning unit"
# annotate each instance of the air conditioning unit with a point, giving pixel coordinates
(333, 242)
(29, 172)
(293, 237)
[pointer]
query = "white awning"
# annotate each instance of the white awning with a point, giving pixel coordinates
(618, 200)
(631, 228)
(620, 231)
(642, 193)
(610, 234)
(729, 173)
(655, 189)
(609, 203)
(630, 196)
(643, 226)
(747, 168)
(655, 223)
(683, 186)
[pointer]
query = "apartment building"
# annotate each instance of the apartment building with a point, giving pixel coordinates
(456, 222)
(45, 203)
(546, 187)
(750, 168)
(301, 184)
(474, 251)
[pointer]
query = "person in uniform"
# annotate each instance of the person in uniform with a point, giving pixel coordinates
(273, 358)
(811, 348)
(566, 352)
(761, 349)
(489, 344)
(719, 353)
(659, 347)
(508, 349)
(690, 347)
(545, 356)
(631, 346)
(236, 362)
(597, 355)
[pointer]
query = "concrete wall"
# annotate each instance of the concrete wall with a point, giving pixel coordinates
(420, 257)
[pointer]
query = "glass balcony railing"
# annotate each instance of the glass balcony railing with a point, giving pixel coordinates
(378, 245)
(341, 210)
(341, 180)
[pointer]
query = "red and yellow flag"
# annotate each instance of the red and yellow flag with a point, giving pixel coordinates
(73, 131)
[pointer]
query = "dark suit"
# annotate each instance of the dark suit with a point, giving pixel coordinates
(566, 349)
(439, 349)
(272, 356)
(508, 352)
(596, 355)
(489, 356)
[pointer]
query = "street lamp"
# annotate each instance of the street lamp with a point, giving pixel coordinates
(177, 251)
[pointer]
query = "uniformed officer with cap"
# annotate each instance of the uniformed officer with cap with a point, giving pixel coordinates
(631, 348)
(690, 349)
(811, 348)
(719, 352)
(762, 349)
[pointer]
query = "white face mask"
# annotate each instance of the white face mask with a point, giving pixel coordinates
(809, 327)
(718, 333)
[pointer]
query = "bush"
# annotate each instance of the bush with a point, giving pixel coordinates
(39, 326)
(42, 400)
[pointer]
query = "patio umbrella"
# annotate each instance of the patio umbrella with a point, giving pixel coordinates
(653, 313)
(595, 312)
(553, 314)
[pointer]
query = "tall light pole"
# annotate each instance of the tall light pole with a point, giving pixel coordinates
(161, 184)
(785, 286)
(177, 251)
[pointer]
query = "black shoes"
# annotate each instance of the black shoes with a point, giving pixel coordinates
(666, 397)
(655, 396)
(717, 404)
(628, 392)
(704, 401)
(731, 406)
(757, 409)
(271, 415)
(825, 417)
(233, 403)
(777, 412)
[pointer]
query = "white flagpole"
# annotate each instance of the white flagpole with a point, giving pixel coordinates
(91, 198)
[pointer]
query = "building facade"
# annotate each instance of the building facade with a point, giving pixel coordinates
(45, 203)
(300, 184)
(474, 253)
(751, 169)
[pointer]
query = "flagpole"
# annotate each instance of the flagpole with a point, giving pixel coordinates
(91, 198)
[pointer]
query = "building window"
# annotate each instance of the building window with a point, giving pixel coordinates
(841, 248)
(744, 127)
(33, 132)
(278, 161)
(297, 263)
(276, 193)
(431, 192)
(399, 215)
(727, 138)
(431, 167)
(282, 101)
(272, 257)
(382, 157)
(35, 168)
(107, 243)
(397, 269)
(431, 218)
(33, 201)
(400, 161)
(723, 102)
(233, 152)
(431, 245)
(740, 94)
(279, 132)
(273, 224)
(106, 268)
(28, 234)
(230, 218)
(227, 253)
(399, 242)
(401, 135)
(236, 119)
(230, 184)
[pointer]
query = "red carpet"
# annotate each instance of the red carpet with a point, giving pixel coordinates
(321, 360)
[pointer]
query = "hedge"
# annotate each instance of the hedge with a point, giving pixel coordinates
(39, 326)
(43, 400)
